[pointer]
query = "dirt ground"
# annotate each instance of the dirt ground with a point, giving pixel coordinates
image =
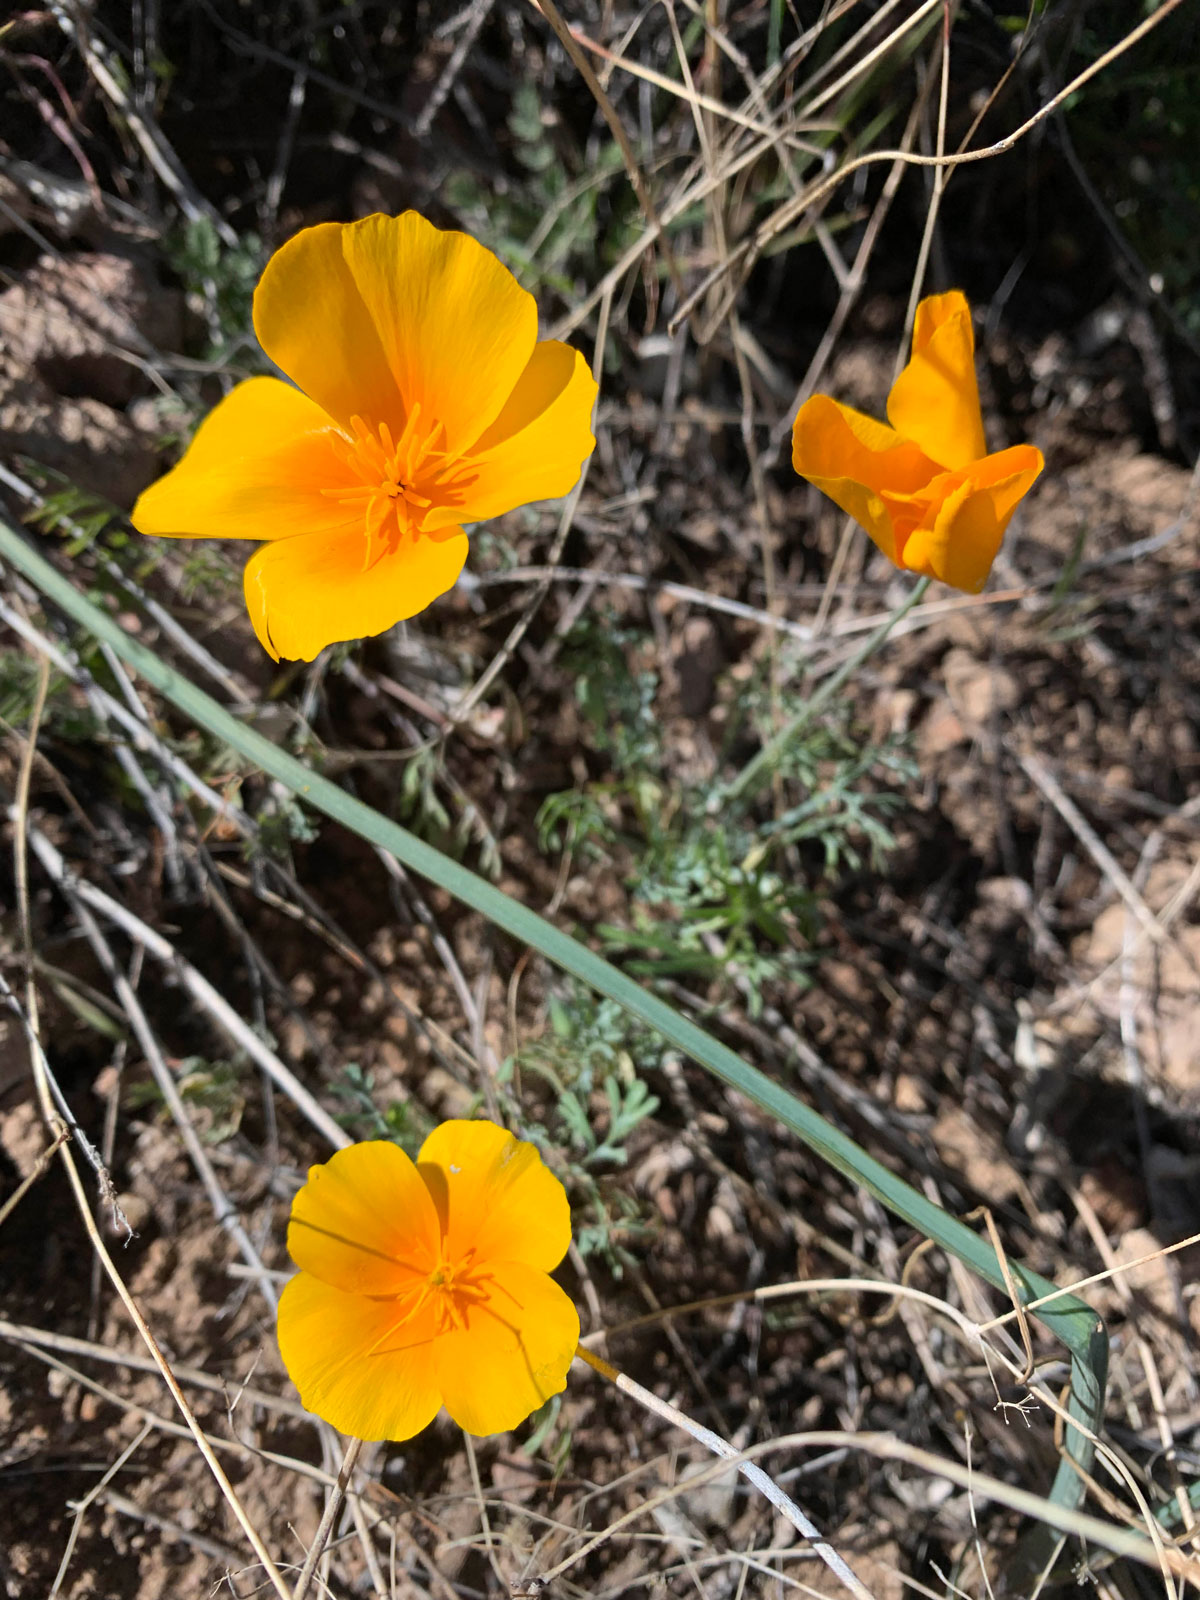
(1002, 1003)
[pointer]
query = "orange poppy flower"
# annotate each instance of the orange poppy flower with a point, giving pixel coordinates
(925, 488)
(423, 1286)
(424, 400)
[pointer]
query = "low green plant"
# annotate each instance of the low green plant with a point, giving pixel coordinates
(716, 892)
(65, 716)
(281, 823)
(224, 277)
(547, 223)
(401, 1121)
(609, 1224)
(702, 911)
(590, 1055)
(551, 1438)
(75, 514)
(208, 572)
(210, 1089)
(615, 694)
(453, 824)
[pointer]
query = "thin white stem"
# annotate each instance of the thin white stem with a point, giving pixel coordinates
(767, 1486)
(201, 991)
(42, 1079)
(332, 1506)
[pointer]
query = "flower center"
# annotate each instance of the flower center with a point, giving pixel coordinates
(391, 473)
(455, 1286)
(451, 1290)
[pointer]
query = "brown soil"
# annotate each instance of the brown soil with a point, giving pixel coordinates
(994, 1011)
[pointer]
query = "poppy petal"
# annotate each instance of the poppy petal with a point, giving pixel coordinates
(313, 321)
(857, 461)
(513, 1353)
(456, 326)
(535, 448)
(961, 541)
(935, 400)
(365, 1365)
(364, 1222)
(256, 469)
(495, 1195)
(314, 590)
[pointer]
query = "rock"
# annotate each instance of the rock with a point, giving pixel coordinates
(909, 1094)
(712, 1503)
(75, 330)
(23, 1138)
(86, 440)
(1151, 1277)
(451, 1098)
(978, 690)
(137, 1211)
(1166, 1004)
(962, 1144)
(77, 321)
(940, 730)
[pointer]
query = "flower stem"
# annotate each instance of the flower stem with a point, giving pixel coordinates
(768, 758)
(332, 1506)
(719, 1447)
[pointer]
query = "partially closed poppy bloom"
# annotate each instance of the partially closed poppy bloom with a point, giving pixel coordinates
(423, 401)
(426, 1285)
(925, 488)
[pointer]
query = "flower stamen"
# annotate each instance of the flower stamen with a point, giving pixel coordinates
(458, 1285)
(391, 473)
(422, 1292)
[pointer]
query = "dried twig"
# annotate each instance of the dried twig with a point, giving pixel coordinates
(198, 986)
(1045, 780)
(40, 1069)
(333, 1505)
(767, 1486)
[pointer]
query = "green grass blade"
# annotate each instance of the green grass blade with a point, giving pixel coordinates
(1073, 1322)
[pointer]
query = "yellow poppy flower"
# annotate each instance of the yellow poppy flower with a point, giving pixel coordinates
(424, 400)
(925, 488)
(426, 1285)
